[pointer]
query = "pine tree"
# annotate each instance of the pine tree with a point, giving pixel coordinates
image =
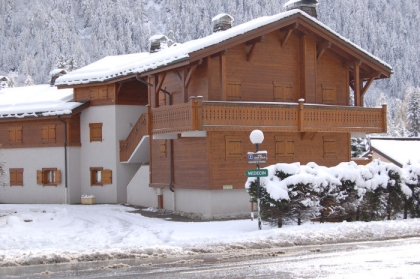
(413, 112)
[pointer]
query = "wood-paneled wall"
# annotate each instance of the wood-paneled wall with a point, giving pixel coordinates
(32, 132)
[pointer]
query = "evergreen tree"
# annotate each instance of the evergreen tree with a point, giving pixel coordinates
(413, 112)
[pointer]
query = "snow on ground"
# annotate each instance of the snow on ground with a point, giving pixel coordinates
(38, 234)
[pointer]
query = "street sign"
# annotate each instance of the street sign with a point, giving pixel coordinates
(257, 173)
(257, 158)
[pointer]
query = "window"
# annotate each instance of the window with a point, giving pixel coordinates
(99, 176)
(330, 147)
(328, 95)
(48, 134)
(48, 177)
(95, 131)
(233, 147)
(282, 92)
(16, 177)
(15, 135)
(285, 147)
(233, 91)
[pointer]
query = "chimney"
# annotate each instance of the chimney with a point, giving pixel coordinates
(55, 74)
(158, 43)
(222, 22)
(308, 6)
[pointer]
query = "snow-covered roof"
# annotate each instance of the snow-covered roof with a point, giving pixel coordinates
(401, 150)
(37, 100)
(118, 66)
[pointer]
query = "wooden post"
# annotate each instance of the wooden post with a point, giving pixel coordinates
(384, 118)
(301, 116)
(357, 95)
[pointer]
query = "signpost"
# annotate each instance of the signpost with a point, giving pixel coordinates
(256, 158)
(257, 173)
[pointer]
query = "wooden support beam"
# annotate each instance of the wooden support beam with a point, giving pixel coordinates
(307, 135)
(190, 74)
(160, 80)
(253, 43)
(223, 77)
(357, 84)
(289, 31)
(321, 49)
(367, 85)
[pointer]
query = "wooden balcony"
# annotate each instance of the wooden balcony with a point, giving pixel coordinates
(199, 115)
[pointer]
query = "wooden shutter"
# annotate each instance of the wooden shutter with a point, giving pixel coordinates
(277, 92)
(95, 131)
(51, 133)
(107, 176)
(330, 147)
(39, 177)
(103, 92)
(328, 95)
(57, 177)
(13, 177)
(44, 133)
(285, 147)
(233, 147)
(93, 93)
(19, 177)
(233, 91)
(15, 135)
(288, 93)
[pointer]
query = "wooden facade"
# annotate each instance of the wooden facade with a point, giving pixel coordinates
(40, 132)
(292, 78)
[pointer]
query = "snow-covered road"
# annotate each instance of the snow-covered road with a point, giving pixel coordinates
(38, 234)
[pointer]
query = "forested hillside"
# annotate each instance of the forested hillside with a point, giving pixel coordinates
(38, 35)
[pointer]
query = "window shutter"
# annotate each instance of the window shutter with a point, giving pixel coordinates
(51, 133)
(289, 147)
(280, 147)
(13, 177)
(93, 93)
(278, 92)
(233, 147)
(330, 147)
(328, 95)
(95, 131)
(107, 176)
(103, 92)
(288, 93)
(233, 91)
(39, 177)
(57, 177)
(19, 177)
(44, 133)
(18, 134)
(12, 135)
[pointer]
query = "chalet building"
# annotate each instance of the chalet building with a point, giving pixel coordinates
(170, 128)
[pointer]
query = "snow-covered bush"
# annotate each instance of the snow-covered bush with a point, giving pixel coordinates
(295, 192)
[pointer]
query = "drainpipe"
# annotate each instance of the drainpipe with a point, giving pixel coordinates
(171, 143)
(65, 159)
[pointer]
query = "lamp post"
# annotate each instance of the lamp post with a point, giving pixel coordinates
(257, 137)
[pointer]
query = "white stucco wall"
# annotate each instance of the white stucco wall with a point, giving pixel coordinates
(209, 203)
(138, 190)
(116, 126)
(74, 190)
(31, 160)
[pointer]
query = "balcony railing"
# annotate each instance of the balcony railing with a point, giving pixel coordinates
(198, 115)
(139, 130)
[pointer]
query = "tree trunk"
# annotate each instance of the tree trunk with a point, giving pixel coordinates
(279, 222)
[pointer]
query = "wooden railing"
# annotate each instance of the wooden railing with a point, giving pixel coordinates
(279, 117)
(198, 115)
(128, 145)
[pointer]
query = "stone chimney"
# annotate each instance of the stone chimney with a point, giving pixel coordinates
(308, 6)
(55, 74)
(158, 43)
(222, 22)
